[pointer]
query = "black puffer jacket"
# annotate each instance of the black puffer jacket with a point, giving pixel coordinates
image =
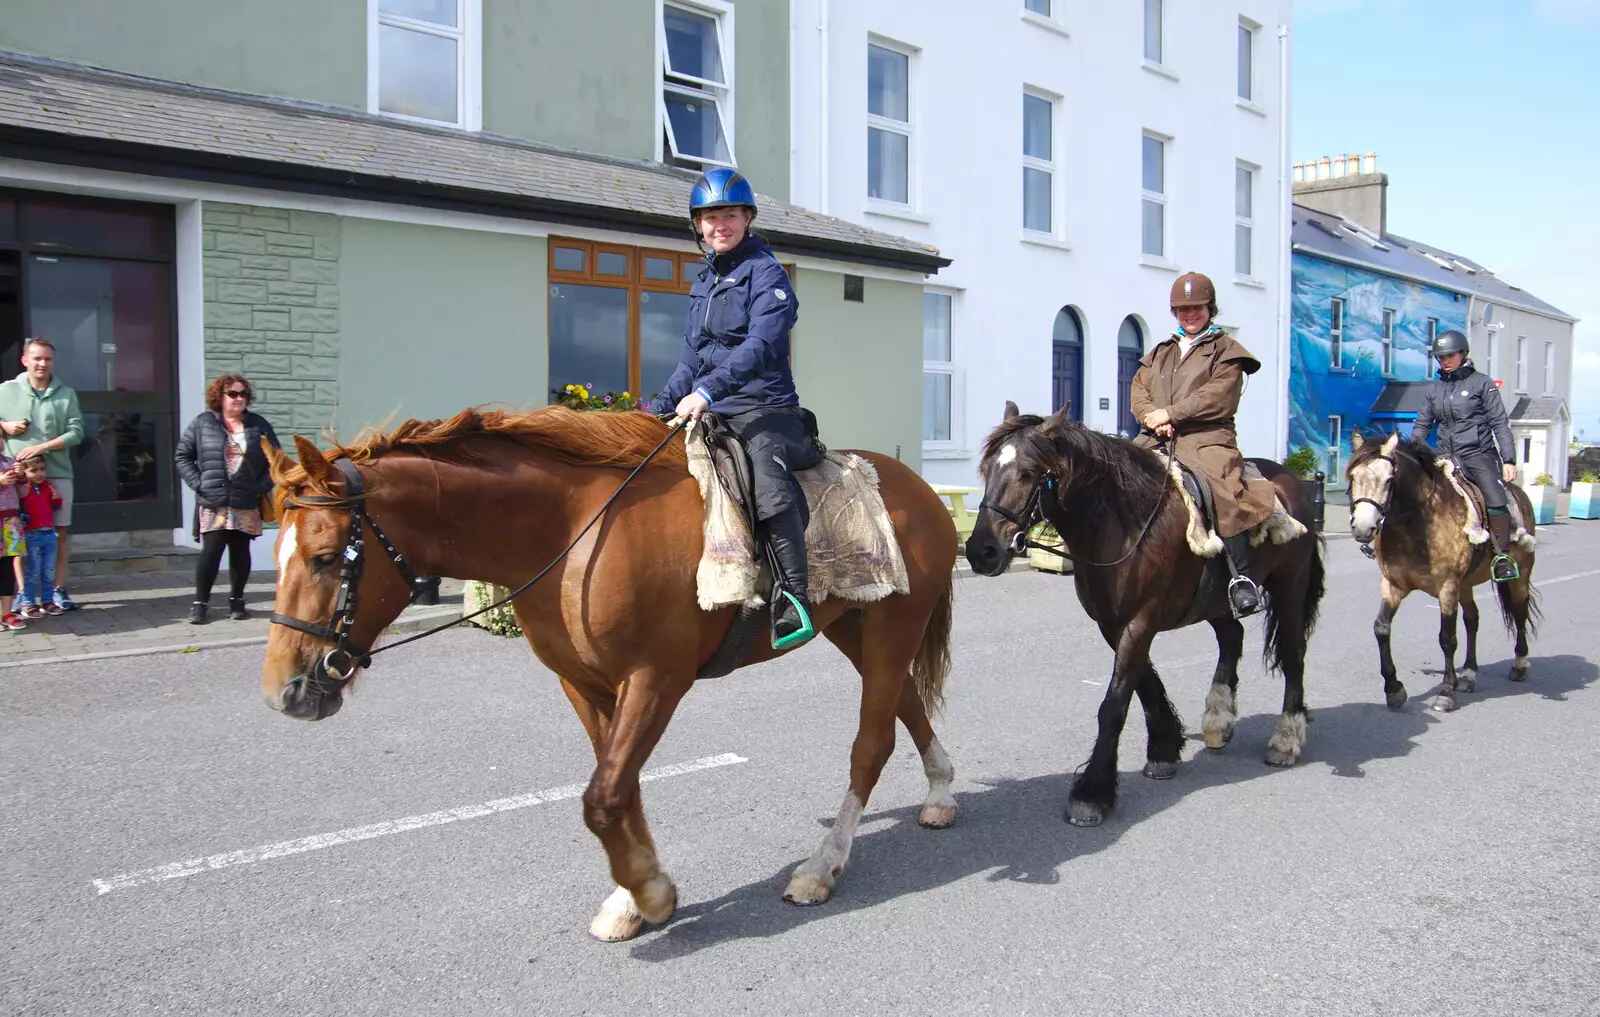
(1471, 416)
(202, 461)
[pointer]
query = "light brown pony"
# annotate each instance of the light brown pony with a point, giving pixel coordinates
(1415, 521)
(495, 497)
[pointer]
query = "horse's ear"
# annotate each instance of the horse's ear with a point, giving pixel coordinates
(1012, 412)
(277, 462)
(1357, 439)
(1390, 445)
(1059, 418)
(311, 459)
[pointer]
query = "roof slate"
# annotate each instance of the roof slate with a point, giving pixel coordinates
(1320, 233)
(104, 110)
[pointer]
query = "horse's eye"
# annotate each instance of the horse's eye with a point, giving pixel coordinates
(324, 561)
(1025, 475)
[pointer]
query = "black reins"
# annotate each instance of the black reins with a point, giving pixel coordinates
(1034, 512)
(339, 664)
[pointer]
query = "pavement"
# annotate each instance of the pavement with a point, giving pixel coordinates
(169, 845)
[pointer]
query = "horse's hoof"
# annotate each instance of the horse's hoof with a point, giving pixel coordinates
(1445, 703)
(1219, 739)
(937, 817)
(619, 920)
(1080, 813)
(1519, 674)
(1397, 698)
(657, 899)
(805, 890)
(1466, 681)
(1160, 770)
(1281, 757)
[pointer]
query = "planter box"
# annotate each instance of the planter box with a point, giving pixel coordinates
(1044, 561)
(1543, 497)
(1584, 504)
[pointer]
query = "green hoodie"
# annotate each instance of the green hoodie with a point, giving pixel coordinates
(51, 414)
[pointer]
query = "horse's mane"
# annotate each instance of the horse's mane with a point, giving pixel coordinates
(587, 439)
(1105, 473)
(1422, 457)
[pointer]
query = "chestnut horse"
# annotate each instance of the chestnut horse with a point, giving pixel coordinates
(496, 497)
(1113, 504)
(1414, 520)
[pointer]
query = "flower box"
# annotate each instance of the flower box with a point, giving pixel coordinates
(1543, 497)
(1044, 561)
(1584, 504)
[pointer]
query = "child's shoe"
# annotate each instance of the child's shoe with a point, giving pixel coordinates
(12, 620)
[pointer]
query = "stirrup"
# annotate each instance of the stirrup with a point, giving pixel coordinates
(800, 635)
(1243, 586)
(1504, 569)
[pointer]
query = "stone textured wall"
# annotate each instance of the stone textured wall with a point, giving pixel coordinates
(271, 278)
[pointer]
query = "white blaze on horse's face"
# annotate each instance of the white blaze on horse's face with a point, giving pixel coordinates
(287, 544)
(1008, 455)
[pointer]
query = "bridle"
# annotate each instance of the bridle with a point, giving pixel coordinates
(1034, 511)
(338, 666)
(1388, 500)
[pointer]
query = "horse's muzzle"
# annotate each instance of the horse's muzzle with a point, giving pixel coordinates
(986, 557)
(301, 699)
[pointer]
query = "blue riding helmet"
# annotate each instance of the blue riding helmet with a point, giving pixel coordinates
(721, 187)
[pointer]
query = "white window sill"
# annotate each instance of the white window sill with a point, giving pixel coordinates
(1159, 69)
(1154, 261)
(1245, 280)
(1048, 24)
(1250, 107)
(406, 118)
(889, 210)
(1045, 240)
(944, 452)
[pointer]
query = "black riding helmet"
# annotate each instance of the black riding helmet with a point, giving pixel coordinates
(1449, 341)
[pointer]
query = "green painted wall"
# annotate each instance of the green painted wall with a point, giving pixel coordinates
(576, 75)
(435, 320)
(859, 366)
(301, 49)
(761, 94)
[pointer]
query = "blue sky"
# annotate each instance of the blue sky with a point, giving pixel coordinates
(1485, 114)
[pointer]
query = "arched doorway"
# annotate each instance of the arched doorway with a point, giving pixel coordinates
(1066, 363)
(1130, 347)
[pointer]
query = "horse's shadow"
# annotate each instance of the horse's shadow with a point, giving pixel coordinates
(1012, 830)
(1551, 678)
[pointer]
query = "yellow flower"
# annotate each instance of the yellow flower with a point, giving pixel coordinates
(626, 396)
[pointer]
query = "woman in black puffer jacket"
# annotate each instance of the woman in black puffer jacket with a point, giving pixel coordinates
(220, 458)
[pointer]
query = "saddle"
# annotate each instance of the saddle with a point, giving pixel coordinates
(851, 550)
(1478, 511)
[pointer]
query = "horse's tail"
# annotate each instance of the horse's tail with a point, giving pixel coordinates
(1310, 605)
(1506, 594)
(932, 664)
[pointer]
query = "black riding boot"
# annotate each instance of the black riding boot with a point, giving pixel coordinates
(791, 608)
(1503, 569)
(1244, 596)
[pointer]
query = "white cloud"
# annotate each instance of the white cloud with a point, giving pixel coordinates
(1567, 10)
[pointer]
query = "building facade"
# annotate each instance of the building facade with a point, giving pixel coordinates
(404, 207)
(1367, 304)
(1072, 159)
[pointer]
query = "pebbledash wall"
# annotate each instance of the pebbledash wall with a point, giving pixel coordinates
(271, 288)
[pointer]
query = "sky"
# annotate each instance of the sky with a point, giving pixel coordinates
(1485, 114)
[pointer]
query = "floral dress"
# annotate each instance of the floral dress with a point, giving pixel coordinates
(245, 520)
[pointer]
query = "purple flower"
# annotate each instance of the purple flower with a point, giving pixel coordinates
(608, 400)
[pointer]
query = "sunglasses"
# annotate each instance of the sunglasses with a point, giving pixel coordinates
(237, 394)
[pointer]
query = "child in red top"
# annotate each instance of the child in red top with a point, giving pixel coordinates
(12, 544)
(39, 502)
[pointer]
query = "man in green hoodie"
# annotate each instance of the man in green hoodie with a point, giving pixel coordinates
(40, 418)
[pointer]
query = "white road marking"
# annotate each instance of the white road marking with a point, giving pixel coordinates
(317, 842)
(1564, 579)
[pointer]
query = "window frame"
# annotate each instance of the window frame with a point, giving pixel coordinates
(1050, 167)
(721, 12)
(1159, 198)
(1549, 367)
(1048, 12)
(1160, 33)
(1522, 364)
(1494, 356)
(1336, 332)
(950, 368)
(1247, 220)
(1245, 61)
(1335, 446)
(907, 128)
(469, 62)
(1386, 341)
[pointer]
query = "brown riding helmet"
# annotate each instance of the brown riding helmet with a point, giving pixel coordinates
(1193, 290)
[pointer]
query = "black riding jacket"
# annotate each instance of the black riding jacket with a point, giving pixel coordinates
(1466, 406)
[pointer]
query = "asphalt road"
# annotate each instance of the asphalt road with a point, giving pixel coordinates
(168, 845)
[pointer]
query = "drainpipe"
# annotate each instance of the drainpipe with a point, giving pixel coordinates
(1285, 241)
(822, 117)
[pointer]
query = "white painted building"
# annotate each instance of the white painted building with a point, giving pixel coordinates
(1072, 158)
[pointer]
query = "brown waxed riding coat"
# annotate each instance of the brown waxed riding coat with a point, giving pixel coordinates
(1201, 392)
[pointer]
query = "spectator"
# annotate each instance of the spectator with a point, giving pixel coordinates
(12, 544)
(220, 457)
(40, 503)
(41, 419)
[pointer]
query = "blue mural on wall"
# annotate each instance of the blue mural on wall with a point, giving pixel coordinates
(1319, 389)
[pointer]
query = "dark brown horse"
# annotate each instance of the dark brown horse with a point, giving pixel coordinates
(1414, 519)
(1114, 506)
(496, 497)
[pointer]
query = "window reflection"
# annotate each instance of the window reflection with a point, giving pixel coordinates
(661, 318)
(120, 457)
(589, 337)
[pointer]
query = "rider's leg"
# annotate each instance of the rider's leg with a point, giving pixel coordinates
(1484, 473)
(1243, 595)
(773, 439)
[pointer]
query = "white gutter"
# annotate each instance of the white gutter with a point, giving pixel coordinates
(1285, 235)
(823, 130)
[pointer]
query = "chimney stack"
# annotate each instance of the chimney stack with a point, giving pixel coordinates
(1348, 185)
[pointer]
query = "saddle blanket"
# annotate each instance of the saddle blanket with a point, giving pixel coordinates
(1476, 531)
(1280, 527)
(851, 552)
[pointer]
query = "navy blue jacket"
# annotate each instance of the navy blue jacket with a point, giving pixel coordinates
(1471, 416)
(736, 341)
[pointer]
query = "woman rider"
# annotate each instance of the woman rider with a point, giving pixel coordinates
(1475, 433)
(735, 363)
(1187, 391)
